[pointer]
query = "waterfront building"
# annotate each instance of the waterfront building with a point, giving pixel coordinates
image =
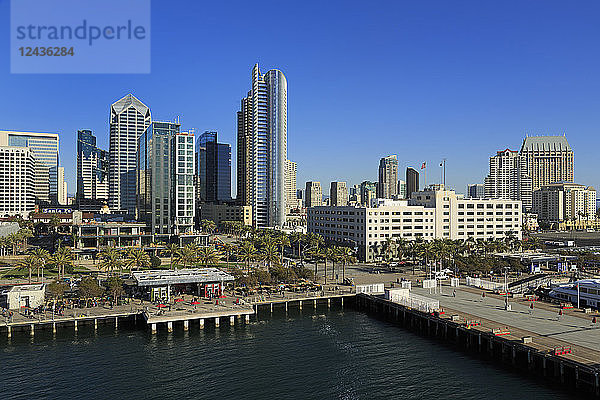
(428, 215)
(338, 194)
(368, 193)
(313, 194)
(17, 174)
(92, 173)
(508, 178)
(412, 181)
(44, 148)
(129, 119)
(290, 186)
(402, 189)
(549, 159)
(166, 179)
(387, 185)
(262, 148)
(561, 202)
(213, 169)
(226, 212)
(476, 191)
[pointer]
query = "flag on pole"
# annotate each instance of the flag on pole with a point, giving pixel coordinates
(423, 165)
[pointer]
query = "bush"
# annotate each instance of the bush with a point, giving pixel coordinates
(155, 262)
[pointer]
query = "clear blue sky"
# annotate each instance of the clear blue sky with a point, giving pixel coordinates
(421, 79)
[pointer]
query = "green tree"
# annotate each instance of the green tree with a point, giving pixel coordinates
(247, 253)
(41, 257)
(111, 259)
(56, 289)
(54, 222)
(187, 255)
(269, 255)
(208, 255)
(345, 256)
(208, 226)
(171, 250)
(61, 260)
(114, 287)
(88, 288)
(137, 258)
(29, 263)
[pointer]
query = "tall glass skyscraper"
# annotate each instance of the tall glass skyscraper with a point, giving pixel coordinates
(213, 169)
(165, 189)
(262, 148)
(129, 118)
(44, 148)
(92, 172)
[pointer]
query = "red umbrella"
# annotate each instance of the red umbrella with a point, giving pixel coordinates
(195, 302)
(161, 305)
(560, 312)
(594, 320)
(178, 300)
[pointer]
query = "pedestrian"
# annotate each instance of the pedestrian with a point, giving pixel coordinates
(454, 293)
(531, 309)
(482, 296)
(560, 313)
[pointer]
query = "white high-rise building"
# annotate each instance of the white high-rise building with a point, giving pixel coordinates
(508, 178)
(387, 186)
(313, 195)
(44, 148)
(290, 186)
(129, 118)
(61, 196)
(338, 194)
(262, 148)
(17, 170)
(565, 201)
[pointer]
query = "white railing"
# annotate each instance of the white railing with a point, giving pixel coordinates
(483, 284)
(420, 303)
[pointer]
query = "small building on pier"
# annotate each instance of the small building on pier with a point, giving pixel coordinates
(158, 285)
(22, 296)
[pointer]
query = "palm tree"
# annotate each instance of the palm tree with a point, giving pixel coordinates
(110, 259)
(401, 247)
(41, 257)
(375, 248)
(187, 255)
(28, 263)
(247, 253)
(171, 250)
(345, 256)
(283, 241)
(138, 258)
(208, 226)
(54, 222)
(270, 255)
(208, 255)
(61, 258)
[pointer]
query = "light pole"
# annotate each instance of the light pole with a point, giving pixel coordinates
(506, 289)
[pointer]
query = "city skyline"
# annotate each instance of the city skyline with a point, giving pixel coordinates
(468, 101)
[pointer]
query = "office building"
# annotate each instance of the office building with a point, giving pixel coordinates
(475, 191)
(387, 186)
(92, 173)
(290, 186)
(368, 193)
(166, 179)
(219, 213)
(61, 196)
(313, 195)
(564, 201)
(44, 147)
(508, 178)
(338, 194)
(262, 148)
(428, 215)
(548, 159)
(129, 119)
(412, 181)
(17, 174)
(300, 197)
(402, 189)
(213, 169)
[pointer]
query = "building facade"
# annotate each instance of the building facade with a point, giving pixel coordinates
(559, 202)
(475, 191)
(549, 159)
(213, 169)
(387, 185)
(262, 148)
(166, 179)
(428, 215)
(129, 119)
(368, 193)
(290, 186)
(402, 189)
(338, 194)
(412, 181)
(92, 173)
(508, 178)
(17, 175)
(44, 148)
(313, 194)
(226, 212)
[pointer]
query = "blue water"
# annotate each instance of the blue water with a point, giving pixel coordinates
(328, 355)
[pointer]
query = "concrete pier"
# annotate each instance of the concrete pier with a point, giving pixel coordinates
(54, 327)
(201, 323)
(217, 321)
(186, 325)
(247, 318)
(75, 325)
(95, 324)
(32, 329)
(232, 320)
(116, 322)
(170, 326)
(153, 328)
(300, 304)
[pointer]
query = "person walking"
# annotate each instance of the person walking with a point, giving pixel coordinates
(531, 309)
(454, 293)
(560, 313)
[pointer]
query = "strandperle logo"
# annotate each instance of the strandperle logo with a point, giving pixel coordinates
(85, 32)
(80, 36)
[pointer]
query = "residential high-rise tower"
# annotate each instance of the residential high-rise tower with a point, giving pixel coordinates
(387, 185)
(412, 181)
(338, 194)
(508, 178)
(92, 173)
(548, 159)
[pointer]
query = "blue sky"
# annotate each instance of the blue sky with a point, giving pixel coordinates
(424, 80)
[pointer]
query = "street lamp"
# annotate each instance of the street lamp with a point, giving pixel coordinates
(506, 306)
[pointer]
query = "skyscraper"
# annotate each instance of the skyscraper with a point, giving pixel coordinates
(338, 194)
(508, 178)
(92, 173)
(402, 189)
(549, 159)
(291, 200)
(368, 192)
(129, 118)
(213, 169)
(165, 189)
(61, 195)
(262, 148)
(313, 195)
(44, 147)
(475, 191)
(412, 181)
(388, 177)
(17, 172)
